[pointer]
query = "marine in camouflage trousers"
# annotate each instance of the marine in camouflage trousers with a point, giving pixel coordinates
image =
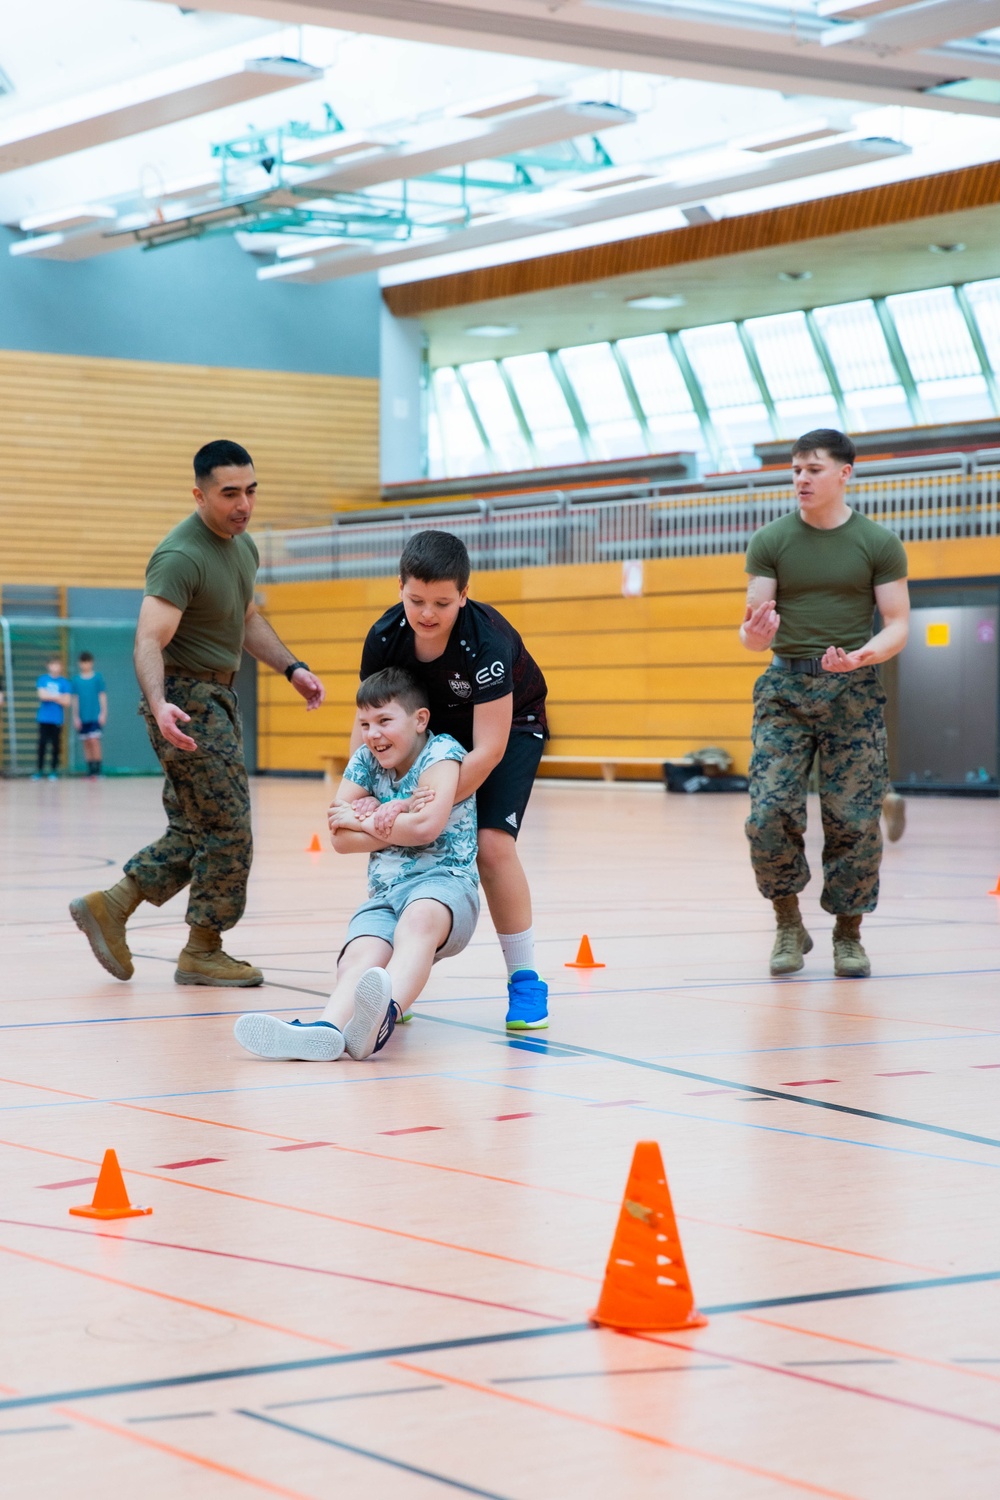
(208, 843)
(835, 718)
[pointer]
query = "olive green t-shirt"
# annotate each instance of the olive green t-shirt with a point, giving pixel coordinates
(211, 579)
(826, 579)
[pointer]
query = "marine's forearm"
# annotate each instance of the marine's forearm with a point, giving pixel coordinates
(262, 642)
(148, 659)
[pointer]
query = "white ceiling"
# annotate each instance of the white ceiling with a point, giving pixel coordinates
(699, 77)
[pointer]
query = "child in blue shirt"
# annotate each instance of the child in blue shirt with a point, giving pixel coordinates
(90, 711)
(423, 898)
(53, 700)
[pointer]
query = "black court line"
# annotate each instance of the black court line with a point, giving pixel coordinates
(401, 1351)
(571, 1049)
(380, 1458)
(171, 1416)
(396, 1390)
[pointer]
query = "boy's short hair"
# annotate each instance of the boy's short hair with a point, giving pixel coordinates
(392, 685)
(86, 656)
(435, 557)
(837, 444)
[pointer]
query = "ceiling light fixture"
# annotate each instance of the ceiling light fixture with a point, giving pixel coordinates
(654, 303)
(955, 249)
(795, 276)
(493, 330)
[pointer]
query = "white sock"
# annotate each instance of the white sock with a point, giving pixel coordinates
(518, 949)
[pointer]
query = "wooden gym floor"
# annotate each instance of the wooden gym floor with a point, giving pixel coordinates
(373, 1279)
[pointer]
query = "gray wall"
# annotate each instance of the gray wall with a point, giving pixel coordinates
(400, 395)
(194, 303)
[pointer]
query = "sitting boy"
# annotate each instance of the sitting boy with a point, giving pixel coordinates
(422, 883)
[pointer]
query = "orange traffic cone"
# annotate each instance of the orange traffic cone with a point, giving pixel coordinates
(315, 846)
(996, 889)
(646, 1285)
(585, 958)
(110, 1195)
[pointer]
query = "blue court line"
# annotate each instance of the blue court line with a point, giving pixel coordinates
(402, 1351)
(710, 1119)
(381, 1458)
(749, 1088)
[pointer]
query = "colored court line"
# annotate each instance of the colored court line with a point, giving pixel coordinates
(393, 1390)
(845, 1109)
(196, 1161)
(42, 1427)
(381, 1458)
(603, 1374)
(683, 1449)
(150, 1291)
(404, 1351)
(828, 1384)
(897, 1354)
(509, 1181)
(72, 1182)
(302, 1146)
(283, 1367)
(412, 1130)
(315, 1213)
(283, 1265)
(187, 1457)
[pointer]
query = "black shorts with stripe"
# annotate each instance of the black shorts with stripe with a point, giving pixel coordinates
(503, 796)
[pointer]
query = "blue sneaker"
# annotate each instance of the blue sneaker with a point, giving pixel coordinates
(298, 1041)
(528, 996)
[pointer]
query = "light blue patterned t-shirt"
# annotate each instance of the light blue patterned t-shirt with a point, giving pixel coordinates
(453, 852)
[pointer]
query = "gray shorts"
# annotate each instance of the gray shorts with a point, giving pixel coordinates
(378, 917)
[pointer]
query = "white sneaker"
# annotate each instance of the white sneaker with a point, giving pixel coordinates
(267, 1036)
(374, 1014)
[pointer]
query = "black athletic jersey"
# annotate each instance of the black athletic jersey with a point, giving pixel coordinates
(485, 659)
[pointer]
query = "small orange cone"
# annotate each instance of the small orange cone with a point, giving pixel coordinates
(110, 1195)
(646, 1285)
(585, 958)
(315, 846)
(996, 889)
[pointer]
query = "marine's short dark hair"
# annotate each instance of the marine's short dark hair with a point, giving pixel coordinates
(392, 685)
(436, 557)
(86, 656)
(829, 440)
(220, 454)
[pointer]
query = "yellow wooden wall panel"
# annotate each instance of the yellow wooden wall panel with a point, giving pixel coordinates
(658, 675)
(101, 450)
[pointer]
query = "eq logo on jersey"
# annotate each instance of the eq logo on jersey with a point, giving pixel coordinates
(493, 673)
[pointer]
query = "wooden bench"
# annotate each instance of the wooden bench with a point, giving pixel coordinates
(334, 765)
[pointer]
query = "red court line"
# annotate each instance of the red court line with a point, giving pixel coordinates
(832, 1338)
(906, 1073)
(182, 1453)
(302, 1146)
(802, 1083)
(525, 1114)
(315, 1213)
(833, 1385)
(72, 1182)
(149, 1291)
(984, 1065)
(631, 1432)
(196, 1161)
(412, 1130)
(432, 1166)
(283, 1265)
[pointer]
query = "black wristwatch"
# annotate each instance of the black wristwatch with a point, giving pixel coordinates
(293, 667)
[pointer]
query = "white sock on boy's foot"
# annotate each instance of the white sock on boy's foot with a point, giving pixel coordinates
(518, 949)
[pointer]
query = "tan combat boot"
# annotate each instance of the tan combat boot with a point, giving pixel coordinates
(101, 917)
(203, 962)
(894, 813)
(850, 961)
(791, 941)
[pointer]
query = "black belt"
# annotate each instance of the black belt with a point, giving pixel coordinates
(812, 666)
(224, 678)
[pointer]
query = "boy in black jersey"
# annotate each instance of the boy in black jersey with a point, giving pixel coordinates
(487, 692)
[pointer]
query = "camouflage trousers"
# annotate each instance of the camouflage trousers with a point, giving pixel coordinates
(836, 719)
(208, 843)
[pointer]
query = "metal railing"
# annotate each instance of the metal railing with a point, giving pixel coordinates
(924, 499)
